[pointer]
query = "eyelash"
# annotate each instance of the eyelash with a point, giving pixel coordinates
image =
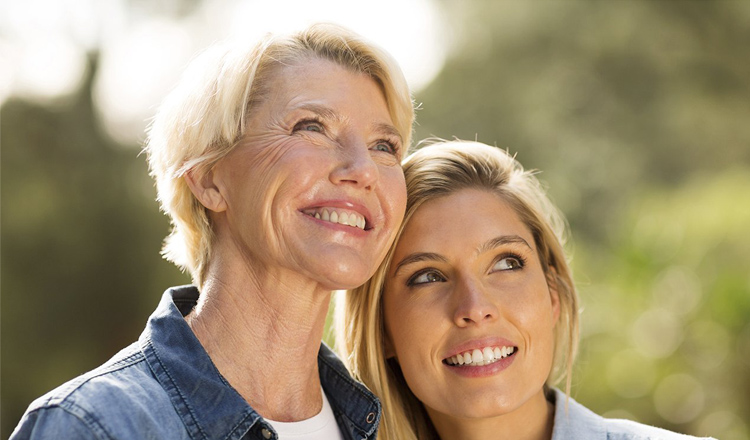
(309, 121)
(300, 126)
(411, 281)
(394, 148)
(521, 261)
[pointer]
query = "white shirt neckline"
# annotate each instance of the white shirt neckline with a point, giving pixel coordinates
(321, 426)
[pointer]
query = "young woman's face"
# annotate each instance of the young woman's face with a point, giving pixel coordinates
(469, 315)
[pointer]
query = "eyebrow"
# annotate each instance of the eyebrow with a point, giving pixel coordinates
(484, 247)
(501, 241)
(390, 130)
(321, 110)
(417, 257)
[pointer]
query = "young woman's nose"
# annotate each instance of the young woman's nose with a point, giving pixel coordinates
(474, 305)
(356, 166)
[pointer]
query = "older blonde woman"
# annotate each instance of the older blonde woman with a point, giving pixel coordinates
(472, 318)
(279, 165)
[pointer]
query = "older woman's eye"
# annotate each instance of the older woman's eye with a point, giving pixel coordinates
(509, 262)
(309, 125)
(386, 147)
(425, 277)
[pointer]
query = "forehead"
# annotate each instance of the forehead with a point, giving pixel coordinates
(312, 79)
(459, 222)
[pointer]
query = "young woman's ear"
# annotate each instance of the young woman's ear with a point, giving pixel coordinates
(204, 189)
(554, 294)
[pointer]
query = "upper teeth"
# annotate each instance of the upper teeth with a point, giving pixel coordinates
(341, 217)
(477, 357)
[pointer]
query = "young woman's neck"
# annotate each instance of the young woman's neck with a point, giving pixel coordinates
(262, 331)
(533, 420)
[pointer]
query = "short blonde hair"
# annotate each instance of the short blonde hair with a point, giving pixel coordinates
(203, 118)
(432, 172)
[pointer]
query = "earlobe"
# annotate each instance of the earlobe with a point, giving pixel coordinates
(204, 189)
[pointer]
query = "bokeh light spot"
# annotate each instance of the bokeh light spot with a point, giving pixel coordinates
(679, 398)
(622, 378)
(657, 333)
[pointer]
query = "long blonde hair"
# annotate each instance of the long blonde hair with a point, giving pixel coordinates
(203, 118)
(432, 172)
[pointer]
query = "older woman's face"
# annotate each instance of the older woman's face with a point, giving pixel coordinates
(468, 312)
(315, 186)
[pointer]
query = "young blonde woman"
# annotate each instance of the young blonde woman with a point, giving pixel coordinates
(472, 318)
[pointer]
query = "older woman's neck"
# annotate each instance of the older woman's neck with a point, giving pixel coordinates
(264, 335)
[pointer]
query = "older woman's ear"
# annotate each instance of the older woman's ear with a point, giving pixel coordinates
(554, 293)
(204, 189)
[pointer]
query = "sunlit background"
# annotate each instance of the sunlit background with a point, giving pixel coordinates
(636, 112)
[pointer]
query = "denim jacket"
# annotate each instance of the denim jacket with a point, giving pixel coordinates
(164, 386)
(578, 422)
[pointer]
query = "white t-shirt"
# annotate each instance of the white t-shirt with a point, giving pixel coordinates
(319, 427)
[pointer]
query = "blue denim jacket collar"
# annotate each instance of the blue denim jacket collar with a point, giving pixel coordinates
(207, 403)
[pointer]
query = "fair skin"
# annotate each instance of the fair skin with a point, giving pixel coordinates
(321, 141)
(466, 278)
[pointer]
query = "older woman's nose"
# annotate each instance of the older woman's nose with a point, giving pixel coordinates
(474, 305)
(356, 167)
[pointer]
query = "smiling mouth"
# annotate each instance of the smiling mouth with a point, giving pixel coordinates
(338, 216)
(478, 358)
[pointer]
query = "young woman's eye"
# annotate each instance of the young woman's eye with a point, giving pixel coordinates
(425, 277)
(510, 262)
(309, 125)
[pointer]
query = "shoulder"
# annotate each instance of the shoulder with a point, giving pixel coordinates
(57, 422)
(573, 420)
(626, 429)
(120, 395)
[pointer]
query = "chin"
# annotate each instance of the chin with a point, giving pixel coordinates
(344, 276)
(344, 282)
(477, 409)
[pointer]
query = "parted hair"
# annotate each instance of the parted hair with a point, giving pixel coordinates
(435, 171)
(205, 115)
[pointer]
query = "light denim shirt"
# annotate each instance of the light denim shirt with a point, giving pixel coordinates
(579, 423)
(164, 386)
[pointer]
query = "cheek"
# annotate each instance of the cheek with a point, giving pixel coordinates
(411, 329)
(539, 322)
(398, 324)
(393, 190)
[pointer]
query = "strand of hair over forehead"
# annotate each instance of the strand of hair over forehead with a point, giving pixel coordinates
(312, 40)
(452, 165)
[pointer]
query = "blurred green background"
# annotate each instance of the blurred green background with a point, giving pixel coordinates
(636, 112)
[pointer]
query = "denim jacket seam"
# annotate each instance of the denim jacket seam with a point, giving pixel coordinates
(177, 389)
(67, 392)
(80, 414)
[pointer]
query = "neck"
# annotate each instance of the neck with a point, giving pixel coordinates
(263, 331)
(533, 420)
